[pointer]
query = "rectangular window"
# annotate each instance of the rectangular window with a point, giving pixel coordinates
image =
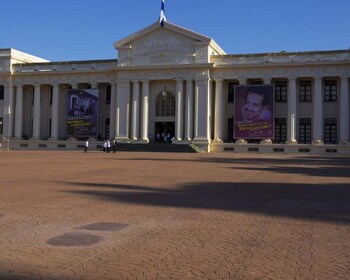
(231, 91)
(230, 130)
(1, 125)
(281, 91)
(304, 131)
(51, 92)
(280, 130)
(2, 90)
(330, 90)
(305, 91)
(108, 94)
(330, 131)
(107, 127)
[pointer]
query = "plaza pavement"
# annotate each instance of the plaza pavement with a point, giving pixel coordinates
(70, 215)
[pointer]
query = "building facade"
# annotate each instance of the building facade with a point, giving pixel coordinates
(172, 80)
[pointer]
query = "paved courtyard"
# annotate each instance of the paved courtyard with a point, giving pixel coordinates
(70, 215)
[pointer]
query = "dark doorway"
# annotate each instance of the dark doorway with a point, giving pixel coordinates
(164, 131)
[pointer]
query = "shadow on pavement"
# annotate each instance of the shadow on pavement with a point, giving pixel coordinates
(328, 203)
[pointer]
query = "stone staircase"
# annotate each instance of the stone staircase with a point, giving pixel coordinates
(158, 147)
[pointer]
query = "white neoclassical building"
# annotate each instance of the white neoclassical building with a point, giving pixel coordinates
(173, 80)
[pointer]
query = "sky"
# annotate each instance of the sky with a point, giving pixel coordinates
(68, 30)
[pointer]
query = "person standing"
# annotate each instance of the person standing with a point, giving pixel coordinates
(108, 146)
(86, 146)
(114, 145)
(104, 146)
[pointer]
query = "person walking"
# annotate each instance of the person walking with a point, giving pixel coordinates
(86, 146)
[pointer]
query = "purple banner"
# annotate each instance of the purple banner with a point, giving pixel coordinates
(82, 112)
(253, 118)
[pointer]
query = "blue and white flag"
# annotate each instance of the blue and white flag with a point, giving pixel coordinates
(162, 17)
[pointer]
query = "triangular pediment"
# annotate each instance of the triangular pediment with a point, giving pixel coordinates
(170, 44)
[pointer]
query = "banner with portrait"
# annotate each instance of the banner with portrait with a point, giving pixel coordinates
(82, 112)
(254, 112)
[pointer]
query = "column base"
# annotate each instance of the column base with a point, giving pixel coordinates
(241, 141)
(138, 141)
(344, 142)
(217, 141)
(317, 142)
(266, 141)
(122, 139)
(292, 141)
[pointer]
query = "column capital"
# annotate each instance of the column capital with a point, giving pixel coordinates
(267, 81)
(242, 81)
(135, 81)
(74, 85)
(93, 84)
(317, 77)
(344, 77)
(218, 80)
(292, 78)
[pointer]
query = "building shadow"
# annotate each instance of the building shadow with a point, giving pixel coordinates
(327, 203)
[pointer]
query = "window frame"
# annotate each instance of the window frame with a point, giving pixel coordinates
(281, 91)
(330, 87)
(330, 127)
(2, 92)
(305, 130)
(305, 95)
(280, 130)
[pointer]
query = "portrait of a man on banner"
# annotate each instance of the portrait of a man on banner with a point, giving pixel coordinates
(82, 109)
(254, 112)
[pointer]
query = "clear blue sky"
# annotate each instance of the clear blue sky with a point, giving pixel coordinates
(86, 29)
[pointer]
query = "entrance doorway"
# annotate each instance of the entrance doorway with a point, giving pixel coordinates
(164, 131)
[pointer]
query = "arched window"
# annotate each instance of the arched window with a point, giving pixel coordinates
(165, 105)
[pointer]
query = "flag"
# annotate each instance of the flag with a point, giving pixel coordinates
(162, 17)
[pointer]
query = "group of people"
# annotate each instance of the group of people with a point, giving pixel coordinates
(106, 146)
(164, 137)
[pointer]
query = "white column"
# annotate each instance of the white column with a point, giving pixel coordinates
(202, 110)
(292, 110)
(189, 111)
(36, 112)
(123, 110)
(145, 100)
(135, 119)
(112, 111)
(55, 111)
(19, 112)
(8, 110)
(344, 111)
(317, 117)
(179, 110)
(219, 111)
